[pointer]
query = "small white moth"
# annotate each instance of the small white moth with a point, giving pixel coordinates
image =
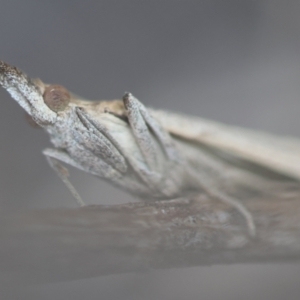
(152, 154)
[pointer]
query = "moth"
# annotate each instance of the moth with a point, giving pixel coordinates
(153, 154)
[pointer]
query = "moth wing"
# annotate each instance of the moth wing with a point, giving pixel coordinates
(277, 153)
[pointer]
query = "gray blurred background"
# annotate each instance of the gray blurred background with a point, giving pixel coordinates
(232, 61)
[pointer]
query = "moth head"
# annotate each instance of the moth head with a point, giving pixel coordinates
(30, 94)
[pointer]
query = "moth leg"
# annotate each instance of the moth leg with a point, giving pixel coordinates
(243, 210)
(140, 130)
(97, 139)
(54, 157)
(140, 121)
(157, 148)
(212, 191)
(111, 151)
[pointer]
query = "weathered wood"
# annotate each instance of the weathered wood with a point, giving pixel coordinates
(65, 244)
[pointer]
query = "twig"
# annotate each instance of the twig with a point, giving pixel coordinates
(65, 244)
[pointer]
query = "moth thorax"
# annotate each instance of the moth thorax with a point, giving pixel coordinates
(56, 97)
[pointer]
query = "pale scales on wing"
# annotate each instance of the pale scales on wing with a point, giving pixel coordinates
(278, 153)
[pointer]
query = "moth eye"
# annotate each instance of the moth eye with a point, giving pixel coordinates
(56, 97)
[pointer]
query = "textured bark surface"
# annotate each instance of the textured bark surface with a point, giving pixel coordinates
(66, 244)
